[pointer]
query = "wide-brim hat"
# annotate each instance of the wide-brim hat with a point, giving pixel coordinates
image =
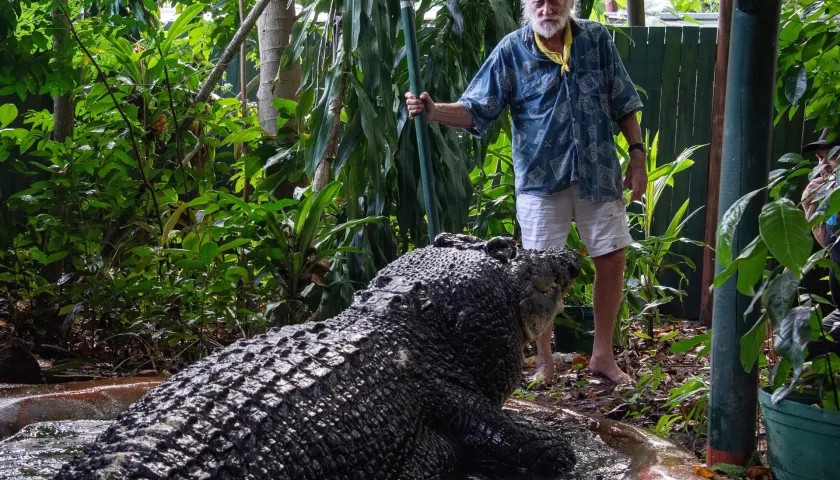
(828, 139)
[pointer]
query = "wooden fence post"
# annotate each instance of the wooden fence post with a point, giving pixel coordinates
(715, 148)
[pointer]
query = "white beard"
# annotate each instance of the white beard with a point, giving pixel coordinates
(545, 27)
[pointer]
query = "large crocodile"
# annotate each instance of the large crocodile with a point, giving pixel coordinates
(406, 383)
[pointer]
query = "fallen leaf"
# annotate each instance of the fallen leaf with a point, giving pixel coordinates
(704, 472)
(580, 360)
(592, 395)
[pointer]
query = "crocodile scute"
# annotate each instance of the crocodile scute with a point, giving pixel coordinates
(408, 382)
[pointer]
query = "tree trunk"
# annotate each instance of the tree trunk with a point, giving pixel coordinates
(636, 13)
(225, 58)
(715, 153)
(63, 103)
(274, 31)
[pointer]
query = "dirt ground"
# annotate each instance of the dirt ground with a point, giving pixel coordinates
(669, 396)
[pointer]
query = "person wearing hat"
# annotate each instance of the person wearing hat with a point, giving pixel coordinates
(826, 233)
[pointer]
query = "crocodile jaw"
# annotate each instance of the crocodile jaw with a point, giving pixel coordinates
(544, 276)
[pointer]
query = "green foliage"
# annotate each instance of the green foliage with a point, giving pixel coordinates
(687, 404)
(652, 255)
(785, 237)
(809, 50)
(364, 69)
(143, 237)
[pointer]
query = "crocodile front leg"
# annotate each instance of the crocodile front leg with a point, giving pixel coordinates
(432, 457)
(496, 441)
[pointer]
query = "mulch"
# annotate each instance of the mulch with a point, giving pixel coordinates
(658, 373)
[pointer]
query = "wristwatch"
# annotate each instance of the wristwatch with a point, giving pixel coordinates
(637, 146)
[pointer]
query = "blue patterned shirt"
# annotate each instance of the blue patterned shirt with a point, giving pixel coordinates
(562, 123)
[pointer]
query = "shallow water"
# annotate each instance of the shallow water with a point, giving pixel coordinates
(39, 450)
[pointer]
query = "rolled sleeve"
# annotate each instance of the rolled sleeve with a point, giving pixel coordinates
(487, 95)
(624, 98)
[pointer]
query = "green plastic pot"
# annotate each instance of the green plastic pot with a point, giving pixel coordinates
(802, 441)
(576, 337)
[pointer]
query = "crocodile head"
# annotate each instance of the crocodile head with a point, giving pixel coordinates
(544, 277)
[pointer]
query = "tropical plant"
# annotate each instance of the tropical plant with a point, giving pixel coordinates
(809, 45)
(652, 254)
(138, 233)
(776, 287)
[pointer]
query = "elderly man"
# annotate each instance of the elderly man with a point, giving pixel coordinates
(565, 84)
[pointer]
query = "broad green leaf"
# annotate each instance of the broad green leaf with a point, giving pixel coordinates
(726, 229)
(170, 224)
(189, 264)
(751, 267)
(344, 226)
(786, 233)
(285, 107)
(190, 242)
(751, 344)
(309, 216)
(354, 17)
(322, 121)
(780, 373)
(305, 103)
(8, 114)
(243, 136)
(236, 273)
(828, 206)
(208, 252)
(690, 343)
(795, 84)
(181, 25)
(778, 294)
(350, 141)
(791, 158)
(791, 338)
(234, 244)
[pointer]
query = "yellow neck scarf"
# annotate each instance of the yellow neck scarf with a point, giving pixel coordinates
(561, 58)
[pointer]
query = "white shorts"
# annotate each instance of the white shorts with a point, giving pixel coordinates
(546, 221)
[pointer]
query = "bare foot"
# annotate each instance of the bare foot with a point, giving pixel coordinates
(608, 368)
(545, 369)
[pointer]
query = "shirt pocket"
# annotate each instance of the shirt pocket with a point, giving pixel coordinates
(593, 92)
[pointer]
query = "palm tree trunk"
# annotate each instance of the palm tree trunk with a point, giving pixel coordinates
(274, 31)
(63, 103)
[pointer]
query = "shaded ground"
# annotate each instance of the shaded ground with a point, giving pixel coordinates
(669, 397)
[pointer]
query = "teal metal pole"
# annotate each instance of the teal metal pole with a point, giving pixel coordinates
(427, 175)
(745, 163)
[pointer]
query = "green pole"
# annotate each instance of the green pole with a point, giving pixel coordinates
(427, 175)
(745, 163)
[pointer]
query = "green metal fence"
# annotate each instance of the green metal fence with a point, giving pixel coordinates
(674, 66)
